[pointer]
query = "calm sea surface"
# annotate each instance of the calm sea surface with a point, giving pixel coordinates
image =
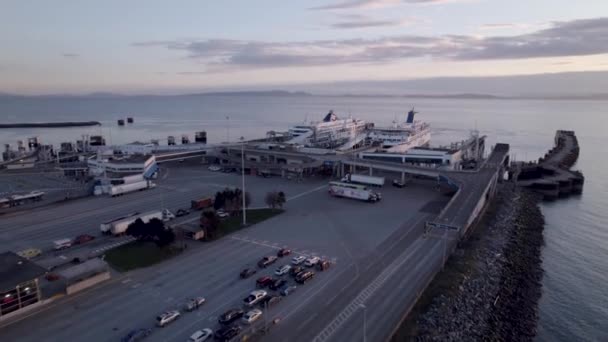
(574, 305)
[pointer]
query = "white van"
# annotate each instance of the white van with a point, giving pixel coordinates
(62, 244)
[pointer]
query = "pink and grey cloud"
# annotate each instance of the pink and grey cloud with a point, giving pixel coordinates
(571, 38)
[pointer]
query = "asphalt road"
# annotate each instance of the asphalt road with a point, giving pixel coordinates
(361, 238)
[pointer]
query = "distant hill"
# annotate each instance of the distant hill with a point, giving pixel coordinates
(253, 93)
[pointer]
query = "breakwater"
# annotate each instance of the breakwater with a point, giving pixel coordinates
(490, 288)
(51, 124)
(551, 175)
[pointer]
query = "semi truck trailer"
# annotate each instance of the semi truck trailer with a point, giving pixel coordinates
(119, 226)
(363, 179)
(122, 189)
(354, 191)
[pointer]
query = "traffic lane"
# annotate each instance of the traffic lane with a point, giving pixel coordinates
(135, 301)
(384, 310)
(42, 231)
(347, 285)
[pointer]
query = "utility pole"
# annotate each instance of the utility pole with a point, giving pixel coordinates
(265, 317)
(227, 128)
(243, 179)
(364, 322)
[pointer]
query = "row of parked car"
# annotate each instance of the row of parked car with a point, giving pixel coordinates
(299, 268)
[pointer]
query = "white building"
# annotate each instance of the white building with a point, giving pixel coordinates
(123, 165)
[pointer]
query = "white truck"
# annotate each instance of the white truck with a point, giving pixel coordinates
(122, 189)
(133, 179)
(119, 226)
(355, 191)
(362, 179)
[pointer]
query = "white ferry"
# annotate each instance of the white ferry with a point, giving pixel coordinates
(332, 132)
(400, 137)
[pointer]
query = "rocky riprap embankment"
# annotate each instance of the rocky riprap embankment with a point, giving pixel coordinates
(497, 298)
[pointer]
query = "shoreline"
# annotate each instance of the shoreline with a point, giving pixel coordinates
(51, 124)
(491, 285)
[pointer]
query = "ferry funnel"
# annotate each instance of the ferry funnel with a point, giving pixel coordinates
(410, 115)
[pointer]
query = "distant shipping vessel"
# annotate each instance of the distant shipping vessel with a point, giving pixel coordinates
(400, 137)
(332, 132)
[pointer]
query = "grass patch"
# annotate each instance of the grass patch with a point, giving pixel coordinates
(138, 254)
(235, 223)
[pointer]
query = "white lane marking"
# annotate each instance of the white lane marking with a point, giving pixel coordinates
(381, 279)
(306, 192)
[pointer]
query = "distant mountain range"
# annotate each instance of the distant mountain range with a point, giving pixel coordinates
(558, 86)
(104, 95)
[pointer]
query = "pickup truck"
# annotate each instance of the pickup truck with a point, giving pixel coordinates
(267, 260)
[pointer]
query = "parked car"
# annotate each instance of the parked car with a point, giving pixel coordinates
(270, 300)
(288, 290)
(201, 335)
(221, 214)
(248, 272)
(182, 212)
(398, 184)
(310, 262)
(282, 270)
(29, 253)
(214, 168)
(167, 317)
(295, 270)
(227, 333)
(298, 259)
(304, 276)
(231, 316)
(263, 281)
(84, 238)
(252, 316)
(136, 335)
(277, 284)
(323, 265)
(267, 260)
(255, 297)
(194, 303)
(283, 252)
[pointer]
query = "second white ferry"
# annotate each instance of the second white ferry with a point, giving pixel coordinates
(400, 137)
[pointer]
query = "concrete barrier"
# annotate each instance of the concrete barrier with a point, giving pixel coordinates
(84, 284)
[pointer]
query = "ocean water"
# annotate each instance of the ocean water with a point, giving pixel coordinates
(574, 304)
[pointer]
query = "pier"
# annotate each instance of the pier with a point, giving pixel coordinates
(551, 175)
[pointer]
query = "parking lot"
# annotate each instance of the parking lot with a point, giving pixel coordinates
(314, 224)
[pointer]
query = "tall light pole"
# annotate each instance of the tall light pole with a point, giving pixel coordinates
(243, 179)
(364, 322)
(227, 128)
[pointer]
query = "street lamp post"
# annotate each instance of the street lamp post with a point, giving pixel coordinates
(364, 322)
(243, 179)
(227, 128)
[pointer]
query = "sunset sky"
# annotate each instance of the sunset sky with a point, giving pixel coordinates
(140, 46)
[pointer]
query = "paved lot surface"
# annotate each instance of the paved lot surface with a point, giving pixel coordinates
(361, 238)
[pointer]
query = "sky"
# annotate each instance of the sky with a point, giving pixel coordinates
(153, 46)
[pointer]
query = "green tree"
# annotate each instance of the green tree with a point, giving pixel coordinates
(154, 231)
(137, 230)
(271, 199)
(219, 201)
(210, 222)
(281, 199)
